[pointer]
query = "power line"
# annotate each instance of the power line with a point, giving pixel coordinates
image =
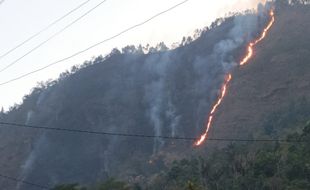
(25, 182)
(94, 132)
(53, 36)
(43, 30)
(94, 45)
(147, 136)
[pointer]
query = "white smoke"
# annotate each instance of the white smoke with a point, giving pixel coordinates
(108, 155)
(243, 30)
(26, 168)
(41, 97)
(173, 117)
(161, 110)
(156, 95)
(29, 117)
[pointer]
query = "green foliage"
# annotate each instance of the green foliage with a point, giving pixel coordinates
(186, 173)
(69, 187)
(287, 119)
(110, 184)
(236, 167)
(278, 166)
(113, 184)
(192, 186)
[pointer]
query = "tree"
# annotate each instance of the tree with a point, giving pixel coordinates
(2, 113)
(69, 187)
(113, 184)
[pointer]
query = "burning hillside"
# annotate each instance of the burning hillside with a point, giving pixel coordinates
(162, 93)
(244, 61)
(276, 80)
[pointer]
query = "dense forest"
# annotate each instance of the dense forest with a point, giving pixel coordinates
(169, 91)
(253, 165)
(160, 92)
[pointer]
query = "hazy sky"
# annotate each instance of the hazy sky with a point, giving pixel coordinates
(20, 19)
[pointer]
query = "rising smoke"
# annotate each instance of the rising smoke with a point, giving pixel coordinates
(155, 94)
(160, 93)
(36, 146)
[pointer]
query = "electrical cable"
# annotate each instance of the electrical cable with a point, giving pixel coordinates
(94, 45)
(44, 29)
(25, 182)
(147, 136)
(51, 37)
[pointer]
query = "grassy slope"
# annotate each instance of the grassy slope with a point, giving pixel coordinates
(277, 75)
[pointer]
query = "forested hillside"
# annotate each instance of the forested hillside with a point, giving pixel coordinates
(161, 92)
(270, 96)
(238, 166)
(157, 91)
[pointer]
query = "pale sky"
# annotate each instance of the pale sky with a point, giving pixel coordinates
(19, 19)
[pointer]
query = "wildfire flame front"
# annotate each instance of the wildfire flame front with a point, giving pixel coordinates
(228, 78)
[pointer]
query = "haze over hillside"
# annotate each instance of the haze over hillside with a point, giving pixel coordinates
(277, 79)
(103, 19)
(162, 93)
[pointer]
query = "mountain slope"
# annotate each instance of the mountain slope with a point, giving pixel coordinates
(277, 78)
(165, 92)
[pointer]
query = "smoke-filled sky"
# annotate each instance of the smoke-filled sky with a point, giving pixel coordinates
(21, 19)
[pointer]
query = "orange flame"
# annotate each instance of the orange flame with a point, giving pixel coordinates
(252, 44)
(219, 101)
(229, 77)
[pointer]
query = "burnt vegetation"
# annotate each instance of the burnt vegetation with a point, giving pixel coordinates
(161, 91)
